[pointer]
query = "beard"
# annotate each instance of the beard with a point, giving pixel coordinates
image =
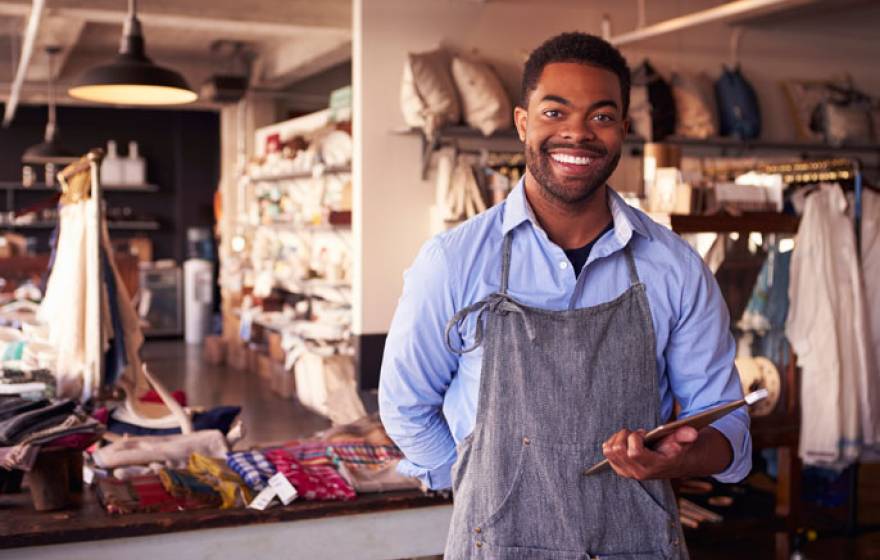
(570, 191)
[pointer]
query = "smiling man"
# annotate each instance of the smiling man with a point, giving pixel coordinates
(532, 339)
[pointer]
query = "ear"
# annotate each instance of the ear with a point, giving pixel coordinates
(626, 124)
(520, 117)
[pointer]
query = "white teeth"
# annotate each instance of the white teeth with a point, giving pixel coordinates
(565, 158)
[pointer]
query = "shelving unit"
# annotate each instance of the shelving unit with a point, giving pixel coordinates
(300, 175)
(145, 225)
(13, 186)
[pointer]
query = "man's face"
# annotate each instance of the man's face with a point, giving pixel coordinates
(573, 129)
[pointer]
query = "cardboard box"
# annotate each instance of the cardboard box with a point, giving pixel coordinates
(231, 328)
(276, 352)
(214, 350)
(263, 366)
(236, 355)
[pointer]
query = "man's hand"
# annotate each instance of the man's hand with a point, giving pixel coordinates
(684, 452)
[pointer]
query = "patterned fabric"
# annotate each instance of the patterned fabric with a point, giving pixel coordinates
(139, 494)
(355, 452)
(252, 467)
(191, 492)
(221, 478)
(313, 482)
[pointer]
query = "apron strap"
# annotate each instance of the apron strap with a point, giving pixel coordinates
(631, 264)
(505, 262)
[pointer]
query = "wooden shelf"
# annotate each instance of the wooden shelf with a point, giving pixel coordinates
(300, 174)
(147, 225)
(761, 222)
(13, 186)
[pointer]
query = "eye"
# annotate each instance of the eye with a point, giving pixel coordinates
(604, 117)
(552, 113)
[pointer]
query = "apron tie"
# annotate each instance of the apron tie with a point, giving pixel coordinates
(496, 303)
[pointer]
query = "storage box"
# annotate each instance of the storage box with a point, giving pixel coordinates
(276, 352)
(263, 365)
(236, 355)
(214, 350)
(231, 328)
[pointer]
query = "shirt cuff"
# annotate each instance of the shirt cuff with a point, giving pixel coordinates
(439, 478)
(735, 427)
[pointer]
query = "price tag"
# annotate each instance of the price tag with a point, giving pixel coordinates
(283, 488)
(263, 499)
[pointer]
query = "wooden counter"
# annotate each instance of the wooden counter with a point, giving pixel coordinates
(25, 533)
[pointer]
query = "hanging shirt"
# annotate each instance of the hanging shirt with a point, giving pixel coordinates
(578, 257)
(829, 330)
(428, 395)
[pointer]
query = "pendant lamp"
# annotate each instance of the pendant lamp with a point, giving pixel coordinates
(50, 150)
(132, 78)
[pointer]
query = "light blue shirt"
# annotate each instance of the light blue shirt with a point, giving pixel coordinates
(428, 395)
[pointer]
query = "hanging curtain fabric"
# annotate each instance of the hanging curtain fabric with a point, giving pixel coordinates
(828, 328)
(84, 271)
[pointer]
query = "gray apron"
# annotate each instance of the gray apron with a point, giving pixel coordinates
(554, 386)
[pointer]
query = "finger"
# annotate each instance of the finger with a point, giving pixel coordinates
(635, 445)
(614, 450)
(678, 441)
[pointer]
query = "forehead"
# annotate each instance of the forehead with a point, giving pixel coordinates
(578, 83)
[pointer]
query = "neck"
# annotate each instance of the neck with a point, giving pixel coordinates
(568, 225)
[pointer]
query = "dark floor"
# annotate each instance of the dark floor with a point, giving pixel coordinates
(269, 418)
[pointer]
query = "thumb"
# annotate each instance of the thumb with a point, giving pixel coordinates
(685, 434)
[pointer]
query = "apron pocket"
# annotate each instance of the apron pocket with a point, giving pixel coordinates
(527, 553)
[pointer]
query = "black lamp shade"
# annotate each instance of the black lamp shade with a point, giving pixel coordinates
(49, 151)
(132, 80)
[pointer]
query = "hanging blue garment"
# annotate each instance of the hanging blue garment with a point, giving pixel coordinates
(768, 305)
(115, 359)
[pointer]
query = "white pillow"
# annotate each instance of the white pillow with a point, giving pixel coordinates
(428, 98)
(484, 102)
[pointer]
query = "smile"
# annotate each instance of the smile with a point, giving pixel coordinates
(571, 160)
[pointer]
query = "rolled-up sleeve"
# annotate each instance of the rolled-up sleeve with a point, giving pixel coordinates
(699, 363)
(417, 369)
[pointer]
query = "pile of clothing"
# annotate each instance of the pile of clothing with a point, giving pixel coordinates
(26, 426)
(197, 470)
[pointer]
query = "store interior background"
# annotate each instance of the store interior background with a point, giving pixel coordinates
(300, 51)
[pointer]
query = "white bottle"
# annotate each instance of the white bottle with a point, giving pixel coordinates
(111, 167)
(134, 167)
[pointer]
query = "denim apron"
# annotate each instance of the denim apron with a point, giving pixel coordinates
(554, 386)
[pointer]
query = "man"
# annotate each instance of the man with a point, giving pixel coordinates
(549, 332)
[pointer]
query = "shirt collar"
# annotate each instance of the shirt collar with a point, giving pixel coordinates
(626, 221)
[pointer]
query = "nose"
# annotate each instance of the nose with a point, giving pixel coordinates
(578, 130)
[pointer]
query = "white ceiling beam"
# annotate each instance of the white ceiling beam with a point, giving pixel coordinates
(725, 12)
(54, 32)
(193, 23)
(27, 50)
(289, 61)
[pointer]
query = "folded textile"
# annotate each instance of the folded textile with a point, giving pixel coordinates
(190, 492)
(139, 494)
(13, 406)
(217, 418)
(376, 478)
(316, 482)
(19, 457)
(215, 473)
(368, 429)
(253, 467)
(173, 450)
(21, 424)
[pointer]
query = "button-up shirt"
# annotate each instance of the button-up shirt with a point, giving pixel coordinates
(428, 395)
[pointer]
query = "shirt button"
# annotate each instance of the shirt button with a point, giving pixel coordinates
(479, 544)
(563, 265)
(478, 530)
(526, 441)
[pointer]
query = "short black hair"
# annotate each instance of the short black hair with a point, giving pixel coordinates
(575, 47)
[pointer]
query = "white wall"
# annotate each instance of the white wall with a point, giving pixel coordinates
(392, 202)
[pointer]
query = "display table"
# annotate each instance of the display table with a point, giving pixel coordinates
(374, 526)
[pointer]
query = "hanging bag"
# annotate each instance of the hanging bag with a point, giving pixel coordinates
(738, 109)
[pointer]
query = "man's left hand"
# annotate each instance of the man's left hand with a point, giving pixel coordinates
(629, 457)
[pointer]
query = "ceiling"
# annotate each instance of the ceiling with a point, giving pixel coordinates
(289, 40)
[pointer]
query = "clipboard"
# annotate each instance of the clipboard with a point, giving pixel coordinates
(697, 421)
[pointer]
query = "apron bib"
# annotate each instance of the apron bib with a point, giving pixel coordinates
(554, 386)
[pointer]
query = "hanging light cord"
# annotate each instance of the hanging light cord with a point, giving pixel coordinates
(50, 124)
